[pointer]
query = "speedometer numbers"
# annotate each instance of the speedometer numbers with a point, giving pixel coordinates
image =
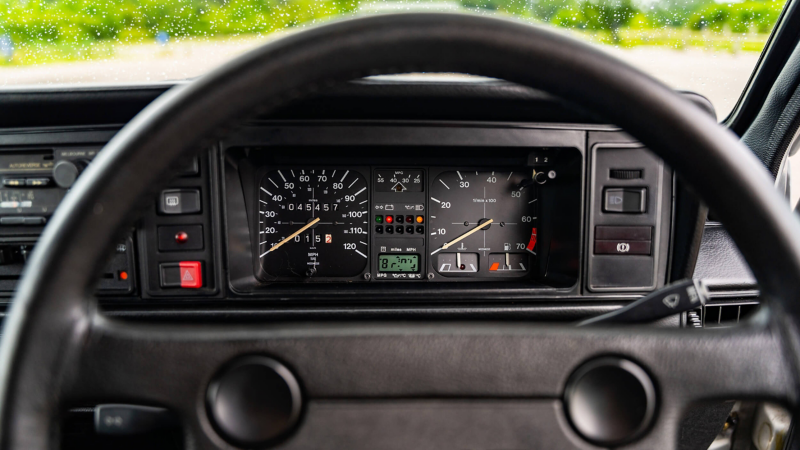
(313, 223)
(483, 224)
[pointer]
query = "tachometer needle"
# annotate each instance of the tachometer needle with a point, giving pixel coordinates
(291, 236)
(467, 234)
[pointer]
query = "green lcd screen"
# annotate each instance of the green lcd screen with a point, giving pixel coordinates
(398, 263)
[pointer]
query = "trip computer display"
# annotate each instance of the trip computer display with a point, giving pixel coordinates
(394, 263)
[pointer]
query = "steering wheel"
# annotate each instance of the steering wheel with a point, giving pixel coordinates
(58, 350)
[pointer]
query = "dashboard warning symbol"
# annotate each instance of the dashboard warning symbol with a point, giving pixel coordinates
(328, 239)
(191, 275)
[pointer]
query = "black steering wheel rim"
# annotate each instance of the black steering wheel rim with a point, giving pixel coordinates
(53, 322)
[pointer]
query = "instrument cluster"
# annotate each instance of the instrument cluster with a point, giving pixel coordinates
(331, 223)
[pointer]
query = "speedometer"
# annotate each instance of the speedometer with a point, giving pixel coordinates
(313, 222)
(483, 223)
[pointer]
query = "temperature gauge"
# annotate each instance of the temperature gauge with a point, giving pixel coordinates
(455, 263)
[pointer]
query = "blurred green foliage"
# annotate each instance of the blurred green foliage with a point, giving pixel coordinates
(750, 16)
(132, 20)
(40, 30)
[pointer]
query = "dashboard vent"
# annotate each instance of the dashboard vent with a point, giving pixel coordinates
(625, 174)
(719, 315)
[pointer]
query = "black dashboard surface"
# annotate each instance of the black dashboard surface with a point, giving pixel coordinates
(435, 128)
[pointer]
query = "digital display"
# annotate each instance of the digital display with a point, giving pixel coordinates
(29, 201)
(398, 263)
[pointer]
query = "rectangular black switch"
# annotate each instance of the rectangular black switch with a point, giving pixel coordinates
(625, 200)
(127, 420)
(179, 201)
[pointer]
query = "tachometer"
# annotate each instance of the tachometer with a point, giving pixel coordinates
(483, 223)
(313, 222)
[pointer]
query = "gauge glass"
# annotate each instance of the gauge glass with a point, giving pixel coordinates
(313, 222)
(489, 214)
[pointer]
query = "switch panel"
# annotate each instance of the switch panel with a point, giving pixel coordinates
(629, 218)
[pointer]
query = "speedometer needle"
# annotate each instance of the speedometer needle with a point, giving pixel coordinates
(467, 234)
(291, 236)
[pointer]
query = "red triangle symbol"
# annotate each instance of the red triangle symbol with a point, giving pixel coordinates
(187, 276)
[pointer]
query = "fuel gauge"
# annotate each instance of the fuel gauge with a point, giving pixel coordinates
(510, 264)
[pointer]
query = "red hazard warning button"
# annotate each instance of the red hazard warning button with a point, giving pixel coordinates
(183, 274)
(191, 277)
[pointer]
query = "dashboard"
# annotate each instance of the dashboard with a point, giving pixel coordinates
(474, 210)
(325, 212)
(307, 211)
(363, 198)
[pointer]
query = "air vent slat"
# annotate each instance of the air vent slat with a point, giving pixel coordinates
(719, 315)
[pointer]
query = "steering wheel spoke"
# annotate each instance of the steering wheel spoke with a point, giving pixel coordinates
(361, 368)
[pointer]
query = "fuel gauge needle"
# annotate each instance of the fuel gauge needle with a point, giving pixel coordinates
(463, 236)
(291, 236)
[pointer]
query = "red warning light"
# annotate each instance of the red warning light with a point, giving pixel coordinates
(123, 275)
(389, 219)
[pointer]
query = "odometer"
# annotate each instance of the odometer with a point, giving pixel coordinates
(313, 222)
(398, 263)
(488, 214)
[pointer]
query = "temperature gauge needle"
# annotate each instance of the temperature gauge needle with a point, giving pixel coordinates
(291, 236)
(465, 235)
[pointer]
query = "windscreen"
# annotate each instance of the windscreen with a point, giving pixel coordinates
(705, 46)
